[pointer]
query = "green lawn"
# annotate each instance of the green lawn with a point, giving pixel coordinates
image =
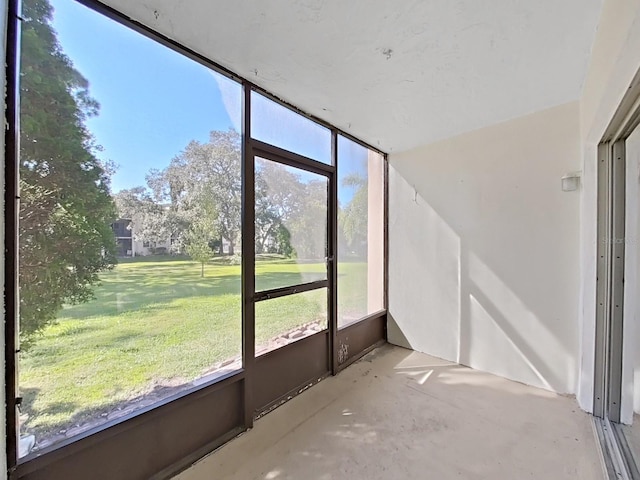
(156, 322)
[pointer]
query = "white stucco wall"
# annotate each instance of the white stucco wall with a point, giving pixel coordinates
(614, 61)
(483, 249)
(439, 224)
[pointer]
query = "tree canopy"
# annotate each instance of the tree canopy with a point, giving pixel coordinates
(203, 183)
(354, 216)
(66, 209)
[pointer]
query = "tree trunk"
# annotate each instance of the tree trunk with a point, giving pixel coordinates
(230, 248)
(201, 269)
(266, 236)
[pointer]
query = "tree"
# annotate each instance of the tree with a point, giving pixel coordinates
(283, 242)
(151, 222)
(66, 209)
(197, 243)
(353, 218)
(279, 196)
(204, 181)
(308, 225)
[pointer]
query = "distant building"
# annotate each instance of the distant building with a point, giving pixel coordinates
(127, 246)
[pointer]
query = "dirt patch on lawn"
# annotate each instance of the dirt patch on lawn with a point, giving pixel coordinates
(163, 390)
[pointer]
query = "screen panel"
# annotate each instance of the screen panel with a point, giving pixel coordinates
(360, 231)
(129, 223)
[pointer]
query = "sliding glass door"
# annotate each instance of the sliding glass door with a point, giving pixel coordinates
(617, 356)
(630, 371)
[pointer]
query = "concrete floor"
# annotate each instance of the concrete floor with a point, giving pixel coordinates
(405, 415)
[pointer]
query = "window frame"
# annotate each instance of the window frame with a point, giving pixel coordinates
(363, 335)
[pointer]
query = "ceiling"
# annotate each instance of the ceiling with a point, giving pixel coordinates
(397, 74)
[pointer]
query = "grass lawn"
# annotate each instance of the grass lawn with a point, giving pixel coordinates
(156, 322)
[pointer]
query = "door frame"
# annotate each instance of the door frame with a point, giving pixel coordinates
(279, 374)
(609, 356)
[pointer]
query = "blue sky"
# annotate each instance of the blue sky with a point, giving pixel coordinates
(153, 101)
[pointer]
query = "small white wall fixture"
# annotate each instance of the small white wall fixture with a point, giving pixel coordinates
(571, 181)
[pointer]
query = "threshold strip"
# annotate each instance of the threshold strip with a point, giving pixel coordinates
(611, 454)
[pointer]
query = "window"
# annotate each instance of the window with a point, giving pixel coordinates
(130, 221)
(291, 225)
(360, 231)
(291, 247)
(121, 228)
(110, 148)
(277, 125)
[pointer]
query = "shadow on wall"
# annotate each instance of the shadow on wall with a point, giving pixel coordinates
(484, 250)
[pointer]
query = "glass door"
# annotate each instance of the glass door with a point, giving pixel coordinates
(291, 251)
(628, 342)
(292, 301)
(617, 365)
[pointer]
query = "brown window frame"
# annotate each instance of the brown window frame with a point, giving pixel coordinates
(141, 445)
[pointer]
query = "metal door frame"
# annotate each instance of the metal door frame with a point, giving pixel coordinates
(255, 403)
(610, 280)
(610, 277)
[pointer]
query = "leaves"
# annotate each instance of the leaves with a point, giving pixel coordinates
(203, 184)
(197, 241)
(353, 217)
(66, 207)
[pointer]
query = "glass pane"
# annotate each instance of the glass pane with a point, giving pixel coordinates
(284, 320)
(631, 387)
(291, 225)
(360, 231)
(129, 223)
(632, 436)
(275, 124)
